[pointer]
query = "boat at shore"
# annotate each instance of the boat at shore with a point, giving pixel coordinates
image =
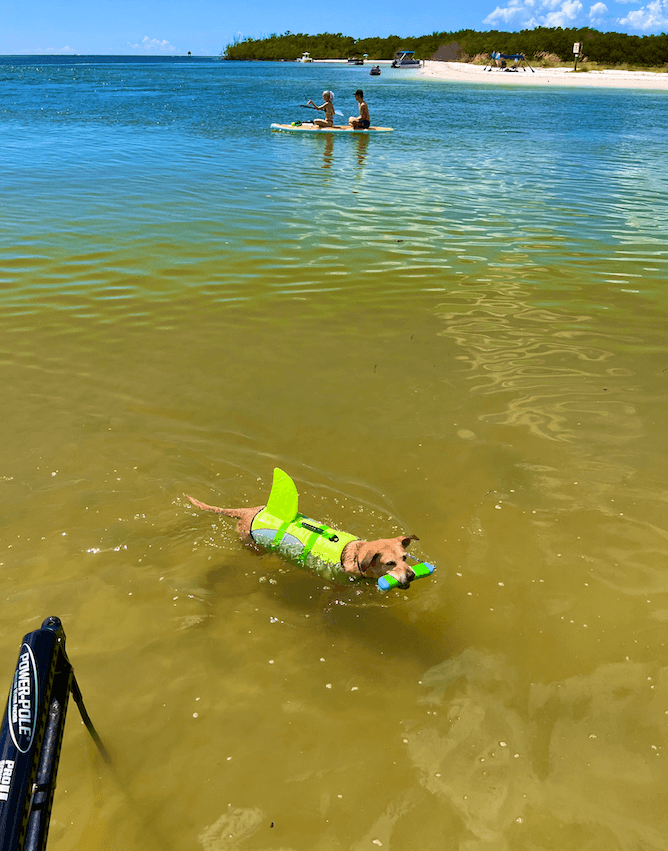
(305, 57)
(341, 129)
(406, 59)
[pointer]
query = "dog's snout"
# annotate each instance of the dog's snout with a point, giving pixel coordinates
(404, 575)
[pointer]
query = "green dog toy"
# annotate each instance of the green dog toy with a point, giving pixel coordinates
(385, 583)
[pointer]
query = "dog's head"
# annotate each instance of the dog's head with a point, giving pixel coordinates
(388, 555)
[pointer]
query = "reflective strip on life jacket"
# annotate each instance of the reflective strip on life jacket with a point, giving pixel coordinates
(304, 542)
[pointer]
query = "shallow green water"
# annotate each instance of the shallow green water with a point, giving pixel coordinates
(459, 332)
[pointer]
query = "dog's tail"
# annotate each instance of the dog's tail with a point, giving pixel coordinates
(228, 512)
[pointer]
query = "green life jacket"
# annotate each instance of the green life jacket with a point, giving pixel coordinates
(280, 528)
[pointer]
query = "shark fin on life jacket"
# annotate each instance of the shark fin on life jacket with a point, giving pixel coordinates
(283, 500)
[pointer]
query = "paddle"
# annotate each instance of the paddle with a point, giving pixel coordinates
(31, 736)
(308, 106)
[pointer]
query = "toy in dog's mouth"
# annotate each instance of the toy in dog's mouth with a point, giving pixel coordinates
(418, 571)
(397, 575)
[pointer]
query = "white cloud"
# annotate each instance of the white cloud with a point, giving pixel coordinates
(513, 9)
(55, 51)
(528, 13)
(597, 13)
(564, 16)
(153, 45)
(652, 17)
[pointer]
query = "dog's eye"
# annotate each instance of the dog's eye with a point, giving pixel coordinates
(404, 557)
(391, 564)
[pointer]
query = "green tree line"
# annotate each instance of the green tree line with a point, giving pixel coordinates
(610, 48)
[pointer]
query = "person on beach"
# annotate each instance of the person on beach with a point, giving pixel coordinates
(328, 107)
(363, 121)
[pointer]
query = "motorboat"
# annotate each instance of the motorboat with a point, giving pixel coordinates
(356, 60)
(406, 59)
(305, 57)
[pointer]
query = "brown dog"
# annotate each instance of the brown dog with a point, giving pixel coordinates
(358, 559)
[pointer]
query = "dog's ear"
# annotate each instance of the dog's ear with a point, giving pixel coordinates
(405, 540)
(368, 556)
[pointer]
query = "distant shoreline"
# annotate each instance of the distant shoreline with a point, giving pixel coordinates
(465, 72)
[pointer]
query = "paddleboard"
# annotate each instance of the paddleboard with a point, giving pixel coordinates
(341, 129)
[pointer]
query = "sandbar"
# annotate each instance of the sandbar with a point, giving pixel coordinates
(465, 72)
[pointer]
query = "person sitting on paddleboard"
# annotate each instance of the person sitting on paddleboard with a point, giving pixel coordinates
(362, 122)
(328, 106)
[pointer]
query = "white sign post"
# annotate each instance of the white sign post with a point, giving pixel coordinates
(577, 50)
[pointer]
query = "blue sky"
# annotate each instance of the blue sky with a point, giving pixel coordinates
(205, 27)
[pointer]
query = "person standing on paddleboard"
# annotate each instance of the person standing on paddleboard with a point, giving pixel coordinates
(328, 106)
(363, 121)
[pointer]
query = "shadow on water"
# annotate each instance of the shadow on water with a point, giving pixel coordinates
(386, 625)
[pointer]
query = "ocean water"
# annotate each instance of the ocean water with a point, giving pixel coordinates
(457, 330)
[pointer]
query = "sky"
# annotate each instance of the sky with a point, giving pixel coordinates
(206, 27)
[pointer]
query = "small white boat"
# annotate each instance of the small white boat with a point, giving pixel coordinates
(305, 57)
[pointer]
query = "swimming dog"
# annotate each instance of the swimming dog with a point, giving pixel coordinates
(338, 556)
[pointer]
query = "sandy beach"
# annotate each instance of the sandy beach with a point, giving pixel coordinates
(468, 73)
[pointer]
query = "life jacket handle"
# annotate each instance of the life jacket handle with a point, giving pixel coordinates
(330, 537)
